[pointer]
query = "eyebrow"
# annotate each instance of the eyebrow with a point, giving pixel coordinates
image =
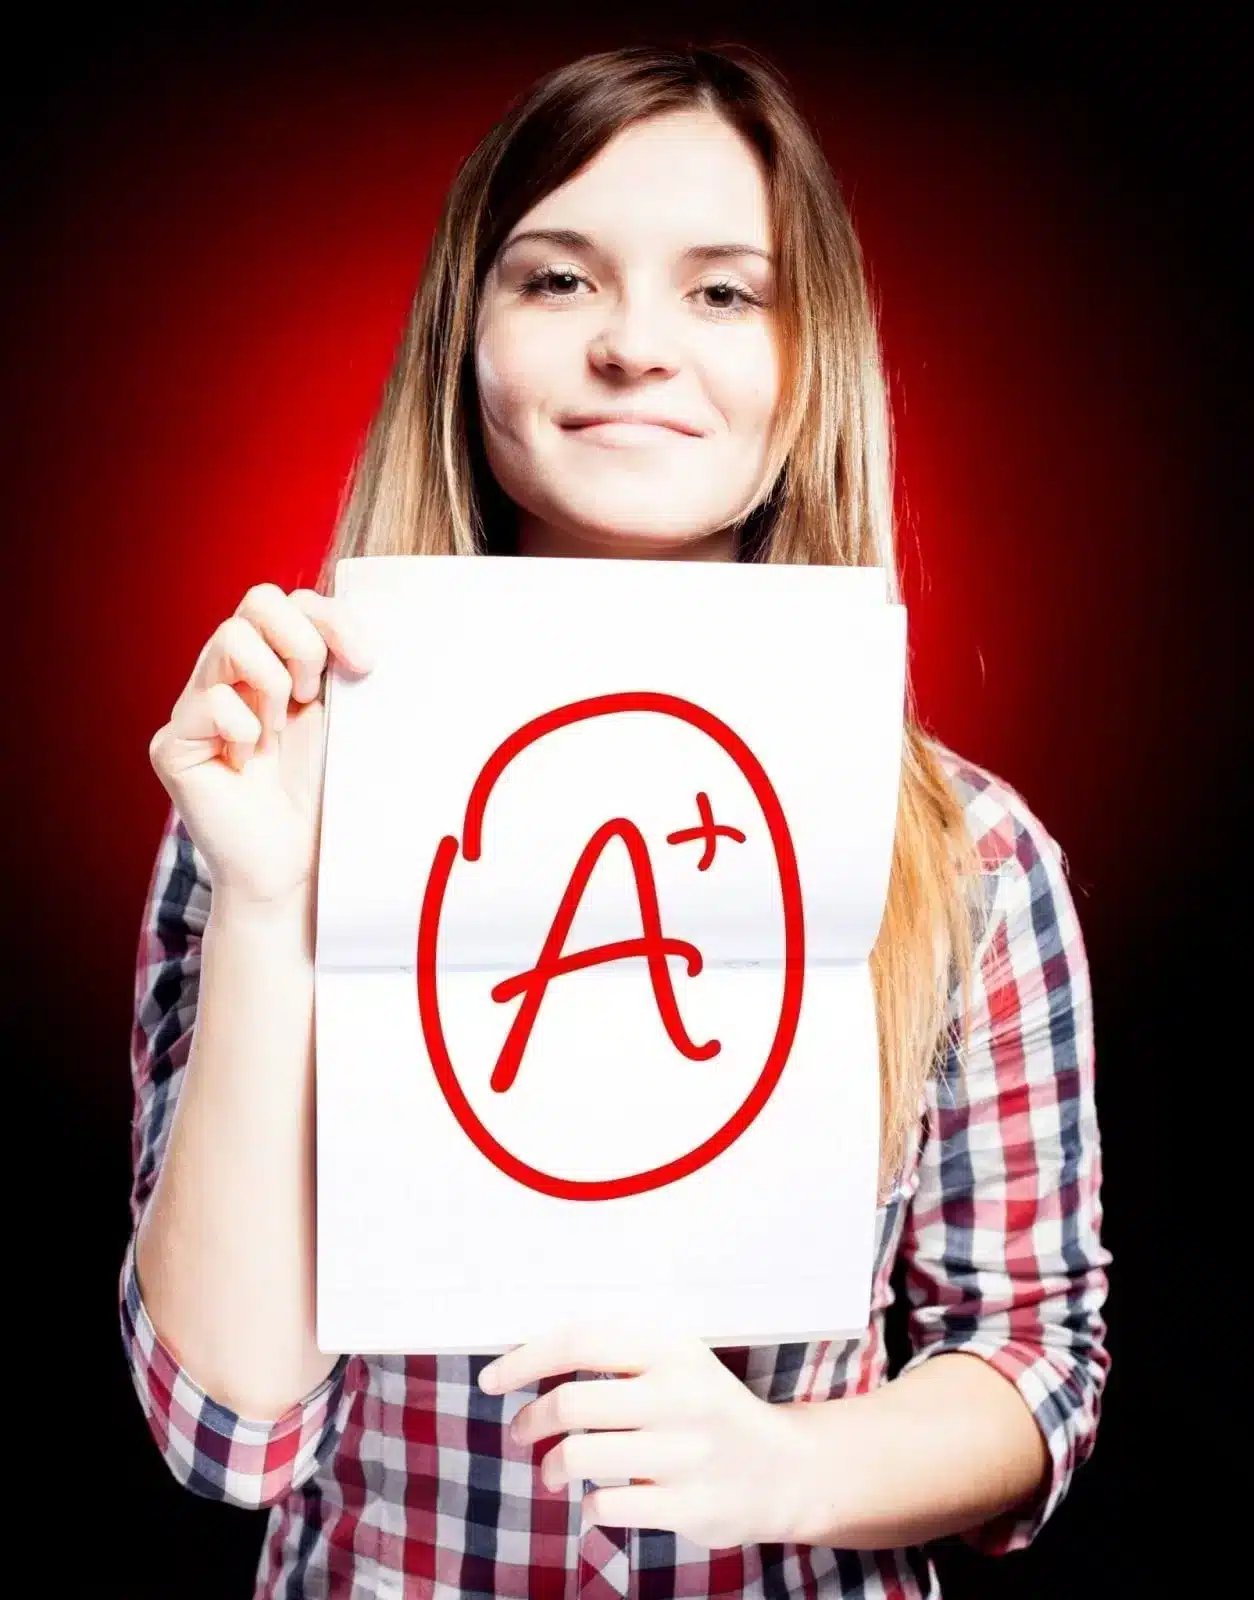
(574, 240)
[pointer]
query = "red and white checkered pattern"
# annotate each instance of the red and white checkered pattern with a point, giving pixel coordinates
(397, 1477)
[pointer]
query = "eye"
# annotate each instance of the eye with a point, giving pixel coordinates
(537, 286)
(727, 307)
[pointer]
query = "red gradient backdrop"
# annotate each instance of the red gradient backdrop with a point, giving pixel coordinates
(226, 251)
(217, 233)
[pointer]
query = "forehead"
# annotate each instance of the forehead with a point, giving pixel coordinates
(686, 177)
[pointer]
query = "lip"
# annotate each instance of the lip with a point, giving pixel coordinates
(595, 421)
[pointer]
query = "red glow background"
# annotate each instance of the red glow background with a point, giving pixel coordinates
(227, 260)
(216, 237)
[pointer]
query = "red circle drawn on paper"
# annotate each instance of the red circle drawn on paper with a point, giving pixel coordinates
(794, 946)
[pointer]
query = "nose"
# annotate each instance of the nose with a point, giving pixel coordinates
(634, 341)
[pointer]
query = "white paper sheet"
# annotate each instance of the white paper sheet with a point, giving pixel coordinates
(455, 1215)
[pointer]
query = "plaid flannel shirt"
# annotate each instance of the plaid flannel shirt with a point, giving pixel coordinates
(396, 1475)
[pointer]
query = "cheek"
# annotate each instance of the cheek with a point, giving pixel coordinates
(517, 373)
(744, 385)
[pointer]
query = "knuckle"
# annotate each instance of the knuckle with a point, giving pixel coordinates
(315, 610)
(231, 708)
(308, 659)
(234, 632)
(259, 594)
(306, 677)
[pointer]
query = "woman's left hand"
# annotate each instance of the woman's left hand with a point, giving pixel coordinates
(706, 1457)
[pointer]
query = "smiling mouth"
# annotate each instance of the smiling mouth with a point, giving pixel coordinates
(620, 433)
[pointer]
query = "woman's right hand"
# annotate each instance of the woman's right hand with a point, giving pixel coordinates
(242, 754)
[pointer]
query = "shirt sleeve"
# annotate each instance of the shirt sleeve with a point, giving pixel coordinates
(1002, 1243)
(210, 1449)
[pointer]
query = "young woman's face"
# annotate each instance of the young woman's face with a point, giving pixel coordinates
(654, 302)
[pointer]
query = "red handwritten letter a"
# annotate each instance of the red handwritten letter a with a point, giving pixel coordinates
(552, 963)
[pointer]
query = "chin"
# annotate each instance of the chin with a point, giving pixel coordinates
(642, 542)
(610, 520)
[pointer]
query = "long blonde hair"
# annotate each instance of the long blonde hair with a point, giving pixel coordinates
(421, 484)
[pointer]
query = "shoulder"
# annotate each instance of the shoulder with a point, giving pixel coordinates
(1004, 828)
(1024, 869)
(1021, 1037)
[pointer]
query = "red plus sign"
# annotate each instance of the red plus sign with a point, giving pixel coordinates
(707, 830)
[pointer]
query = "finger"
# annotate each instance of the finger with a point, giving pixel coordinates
(237, 654)
(576, 1347)
(340, 626)
(587, 1403)
(288, 625)
(215, 713)
(636, 1505)
(656, 1455)
(302, 629)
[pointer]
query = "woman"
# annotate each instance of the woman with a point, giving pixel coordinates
(643, 331)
